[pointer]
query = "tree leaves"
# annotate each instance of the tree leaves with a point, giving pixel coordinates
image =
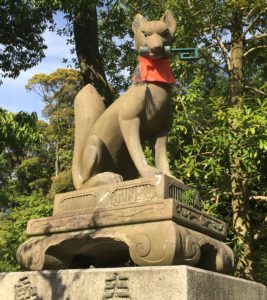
(21, 27)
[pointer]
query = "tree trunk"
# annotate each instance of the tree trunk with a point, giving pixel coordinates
(86, 43)
(57, 159)
(239, 190)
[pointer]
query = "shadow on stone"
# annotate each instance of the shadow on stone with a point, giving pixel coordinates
(208, 257)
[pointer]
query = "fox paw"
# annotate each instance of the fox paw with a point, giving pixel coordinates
(103, 179)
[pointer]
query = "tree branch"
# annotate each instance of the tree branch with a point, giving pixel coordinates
(250, 13)
(214, 27)
(253, 49)
(213, 61)
(260, 198)
(217, 197)
(220, 43)
(253, 22)
(248, 87)
(223, 48)
(258, 36)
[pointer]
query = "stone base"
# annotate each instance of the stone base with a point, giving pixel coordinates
(146, 244)
(132, 223)
(136, 283)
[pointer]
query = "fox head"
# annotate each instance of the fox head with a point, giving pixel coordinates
(154, 35)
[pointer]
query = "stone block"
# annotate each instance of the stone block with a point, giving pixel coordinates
(124, 193)
(131, 213)
(136, 283)
(152, 243)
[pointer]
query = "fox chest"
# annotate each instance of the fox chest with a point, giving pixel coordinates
(157, 109)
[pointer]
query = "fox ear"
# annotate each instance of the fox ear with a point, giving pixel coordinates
(138, 21)
(169, 20)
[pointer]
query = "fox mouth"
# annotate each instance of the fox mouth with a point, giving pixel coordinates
(153, 53)
(157, 54)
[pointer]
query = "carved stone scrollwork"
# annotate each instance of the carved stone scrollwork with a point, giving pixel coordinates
(191, 249)
(156, 247)
(224, 259)
(215, 255)
(170, 244)
(32, 253)
(142, 245)
(208, 224)
(146, 244)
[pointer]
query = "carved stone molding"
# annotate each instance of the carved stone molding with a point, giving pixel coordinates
(124, 193)
(33, 254)
(195, 217)
(132, 222)
(146, 244)
(150, 211)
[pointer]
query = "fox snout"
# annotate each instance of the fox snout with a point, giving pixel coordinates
(155, 43)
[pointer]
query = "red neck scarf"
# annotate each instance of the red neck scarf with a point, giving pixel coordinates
(153, 70)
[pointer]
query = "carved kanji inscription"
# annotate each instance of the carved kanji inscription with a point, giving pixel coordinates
(24, 290)
(116, 287)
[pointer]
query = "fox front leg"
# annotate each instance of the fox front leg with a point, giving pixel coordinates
(159, 146)
(130, 133)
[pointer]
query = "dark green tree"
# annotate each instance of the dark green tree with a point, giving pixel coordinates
(20, 136)
(22, 24)
(58, 91)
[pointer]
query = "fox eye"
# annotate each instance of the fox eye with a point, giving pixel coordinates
(165, 34)
(146, 34)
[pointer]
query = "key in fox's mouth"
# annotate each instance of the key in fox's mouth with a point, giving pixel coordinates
(155, 56)
(153, 53)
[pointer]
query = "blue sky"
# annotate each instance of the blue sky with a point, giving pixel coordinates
(14, 96)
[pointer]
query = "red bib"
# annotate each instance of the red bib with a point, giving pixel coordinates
(153, 70)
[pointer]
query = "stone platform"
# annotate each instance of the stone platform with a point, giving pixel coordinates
(144, 222)
(135, 283)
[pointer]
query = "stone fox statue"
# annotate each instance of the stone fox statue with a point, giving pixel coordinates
(108, 143)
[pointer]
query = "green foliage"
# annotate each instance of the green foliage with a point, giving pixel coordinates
(20, 136)
(201, 129)
(21, 28)
(17, 129)
(32, 175)
(30, 149)
(259, 239)
(188, 197)
(58, 91)
(61, 183)
(13, 225)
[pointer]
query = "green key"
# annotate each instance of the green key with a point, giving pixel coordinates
(183, 53)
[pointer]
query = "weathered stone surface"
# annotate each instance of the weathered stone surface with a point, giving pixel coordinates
(108, 143)
(149, 211)
(136, 283)
(127, 223)
(124, 193)
(144, 244)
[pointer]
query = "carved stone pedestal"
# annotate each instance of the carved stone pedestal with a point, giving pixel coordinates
(139, 222)
(135, 283)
